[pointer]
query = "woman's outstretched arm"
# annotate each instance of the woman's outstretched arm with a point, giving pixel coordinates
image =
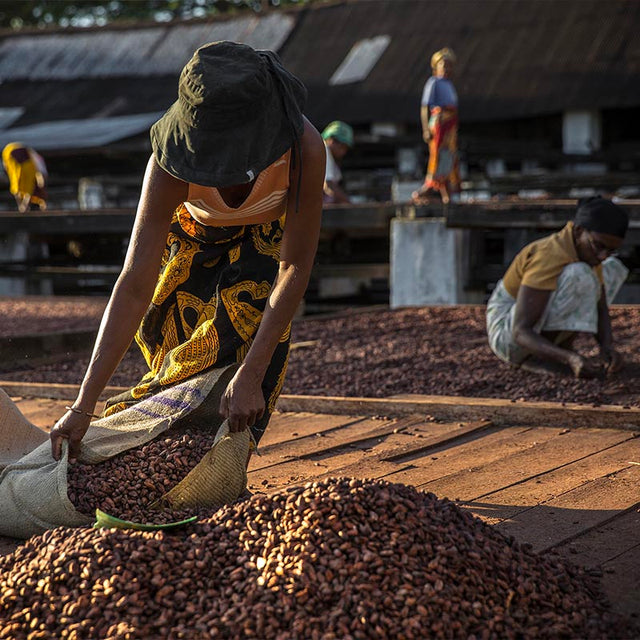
(161, 194)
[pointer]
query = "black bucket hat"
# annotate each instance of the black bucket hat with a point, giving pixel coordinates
(238, 110)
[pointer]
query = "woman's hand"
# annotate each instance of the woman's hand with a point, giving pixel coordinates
(243, 403)
(584, 367)
(613, 360)
(71, 427)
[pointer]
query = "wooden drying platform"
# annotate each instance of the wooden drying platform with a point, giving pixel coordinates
(537, 476)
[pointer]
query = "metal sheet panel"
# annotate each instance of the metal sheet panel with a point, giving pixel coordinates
(8, 115)
(360, 60)
(79, 134)
(135, 52)
(516, 58)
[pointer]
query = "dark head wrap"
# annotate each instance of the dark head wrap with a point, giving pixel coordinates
(238, 110)
(602, 216)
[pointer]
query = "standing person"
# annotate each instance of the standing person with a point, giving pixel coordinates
(439, 118)
(27, 175)
(230, 211)
(557, 287)
(338, 139)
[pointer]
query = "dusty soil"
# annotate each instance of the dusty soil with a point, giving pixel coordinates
(378, 353)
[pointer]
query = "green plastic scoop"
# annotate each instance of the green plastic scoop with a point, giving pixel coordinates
(105, 521)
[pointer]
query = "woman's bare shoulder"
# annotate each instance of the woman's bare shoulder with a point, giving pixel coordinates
(313, 149)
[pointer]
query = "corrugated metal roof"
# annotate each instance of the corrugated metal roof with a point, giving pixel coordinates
(49, 100)
(8, 115)
(79, 134)
(161, 50)
(516, 58)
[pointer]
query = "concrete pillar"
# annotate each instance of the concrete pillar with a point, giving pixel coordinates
(14, 247)
(581, 132)
(18, 248)
(428, 263)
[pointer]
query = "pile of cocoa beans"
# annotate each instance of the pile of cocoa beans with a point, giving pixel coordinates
(126, 485)
(333, 559)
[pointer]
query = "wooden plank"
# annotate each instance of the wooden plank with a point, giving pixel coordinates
(120, 221)
(42, 412)
(621, 583)
(546, 214)
(51, 390)
(361, 433)
(69, 222)
(414, 448)
(506, 503)
(577, 511)
(445, 408)
(362, 467)
(367, 457)
(487, 478)
(605, 543)
(493, 445)
(284, 427)
(463, 409)
(299, 471)
(614, 548)
(386, 440)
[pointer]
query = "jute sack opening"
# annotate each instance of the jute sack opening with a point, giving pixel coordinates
(33, 487)
(219, 478)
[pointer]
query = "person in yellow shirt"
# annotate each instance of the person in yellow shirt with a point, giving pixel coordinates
(27, 174)
(559, 286)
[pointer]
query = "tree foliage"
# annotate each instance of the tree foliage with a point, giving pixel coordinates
(19, 14)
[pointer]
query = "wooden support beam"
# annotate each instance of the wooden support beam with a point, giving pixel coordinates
(449, 408)
(452, 408)
(51, 390)
(541, 214)
(65, 223)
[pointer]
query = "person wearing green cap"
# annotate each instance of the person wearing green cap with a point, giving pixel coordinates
(338, 138)
(222, 247)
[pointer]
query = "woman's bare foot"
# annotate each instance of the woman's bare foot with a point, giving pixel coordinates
(424, 195)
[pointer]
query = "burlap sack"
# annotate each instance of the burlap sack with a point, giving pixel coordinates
(33, 487)
(219, 478)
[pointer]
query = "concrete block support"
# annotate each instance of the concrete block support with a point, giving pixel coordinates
(428, 263)
(18, 248)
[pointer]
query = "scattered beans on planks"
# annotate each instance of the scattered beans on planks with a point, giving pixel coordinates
(338, 558)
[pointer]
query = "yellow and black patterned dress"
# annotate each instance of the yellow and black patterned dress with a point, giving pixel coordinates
(213, 288)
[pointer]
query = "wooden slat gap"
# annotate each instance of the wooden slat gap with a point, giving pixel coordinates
(597, 525)
(469, 432)
(453, 408)
(310, 436)
(546, 471)
(388, 427)
(343, 472)
(372, 438)
(618, 555)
